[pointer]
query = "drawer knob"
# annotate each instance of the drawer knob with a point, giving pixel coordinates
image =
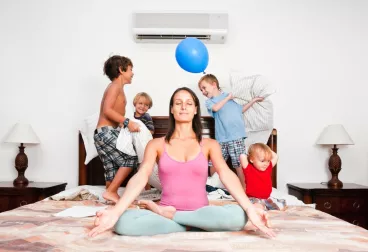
(23, 202)
(355, 222)
(327, 205)
(356, 205)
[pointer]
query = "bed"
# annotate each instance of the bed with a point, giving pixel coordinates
(300, 228)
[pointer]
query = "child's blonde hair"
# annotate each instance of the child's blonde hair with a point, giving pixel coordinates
(144, 95)
(209, 78)
(258, 148)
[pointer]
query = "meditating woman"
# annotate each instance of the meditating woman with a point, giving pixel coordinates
(182, 157)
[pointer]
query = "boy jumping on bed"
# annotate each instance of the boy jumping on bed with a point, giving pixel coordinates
(112, 118)
(257, 169)
(142, 103)
(229, 121)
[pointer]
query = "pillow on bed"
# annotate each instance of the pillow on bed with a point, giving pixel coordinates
(87, 131)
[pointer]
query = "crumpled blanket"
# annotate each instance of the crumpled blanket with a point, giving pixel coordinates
(85, 194)
(153, 194)
(214, 193)
(80, 195)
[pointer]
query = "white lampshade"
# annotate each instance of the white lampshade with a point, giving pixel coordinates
(334, 134)
(22, 133)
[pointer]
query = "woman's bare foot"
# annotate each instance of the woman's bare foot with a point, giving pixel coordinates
(111, 196)
(165, 211)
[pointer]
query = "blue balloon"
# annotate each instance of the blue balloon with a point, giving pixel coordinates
(192, 55)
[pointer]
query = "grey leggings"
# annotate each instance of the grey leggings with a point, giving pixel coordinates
(141, 222)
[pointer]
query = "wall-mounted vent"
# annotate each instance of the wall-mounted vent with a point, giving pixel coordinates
(171, 37)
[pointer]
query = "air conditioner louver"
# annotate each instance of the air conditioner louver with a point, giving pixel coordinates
(171, 37)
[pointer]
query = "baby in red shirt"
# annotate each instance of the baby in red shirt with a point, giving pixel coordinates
(257, 169)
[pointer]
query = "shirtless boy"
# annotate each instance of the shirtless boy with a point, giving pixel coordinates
(112, 118)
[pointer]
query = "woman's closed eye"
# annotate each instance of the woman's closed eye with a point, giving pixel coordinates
(187, 103)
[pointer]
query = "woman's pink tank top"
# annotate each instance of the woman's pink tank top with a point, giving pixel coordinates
(183, 183)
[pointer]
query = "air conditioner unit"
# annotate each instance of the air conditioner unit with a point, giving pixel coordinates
(173, 27)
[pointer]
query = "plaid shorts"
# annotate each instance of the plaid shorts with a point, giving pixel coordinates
(270, 203)
(232, 149)
(112, 158)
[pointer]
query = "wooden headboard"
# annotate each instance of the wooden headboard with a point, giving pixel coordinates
(93, 172)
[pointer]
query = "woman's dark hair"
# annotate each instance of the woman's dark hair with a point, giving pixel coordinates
(196, 123)
(114, 64)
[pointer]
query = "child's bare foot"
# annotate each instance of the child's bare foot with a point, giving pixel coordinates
(111, 196)
(165, 211)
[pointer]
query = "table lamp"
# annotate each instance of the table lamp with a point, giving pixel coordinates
(334, 135)
(23, 134)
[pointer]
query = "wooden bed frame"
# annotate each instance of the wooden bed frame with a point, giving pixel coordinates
(93, 172)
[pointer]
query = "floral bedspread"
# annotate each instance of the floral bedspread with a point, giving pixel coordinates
(34, 228)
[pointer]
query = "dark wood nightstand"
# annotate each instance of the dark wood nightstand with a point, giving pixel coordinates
(15, 196)
(349, 203)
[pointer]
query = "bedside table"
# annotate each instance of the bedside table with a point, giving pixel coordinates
(349, 203)
(15, 196)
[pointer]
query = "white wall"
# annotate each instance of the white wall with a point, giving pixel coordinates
(314, 53)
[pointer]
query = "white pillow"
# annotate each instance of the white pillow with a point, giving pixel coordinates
(126, 141)
(244, 88)
(87, 131)
(134, 143)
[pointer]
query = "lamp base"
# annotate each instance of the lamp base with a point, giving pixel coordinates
(21, 164)
(335, 183)
(334, 165)
(20, 180)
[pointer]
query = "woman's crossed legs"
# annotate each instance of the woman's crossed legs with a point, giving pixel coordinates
(163, 220)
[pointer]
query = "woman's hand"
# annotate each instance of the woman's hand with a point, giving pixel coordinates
(105, 219)
(259, 219)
